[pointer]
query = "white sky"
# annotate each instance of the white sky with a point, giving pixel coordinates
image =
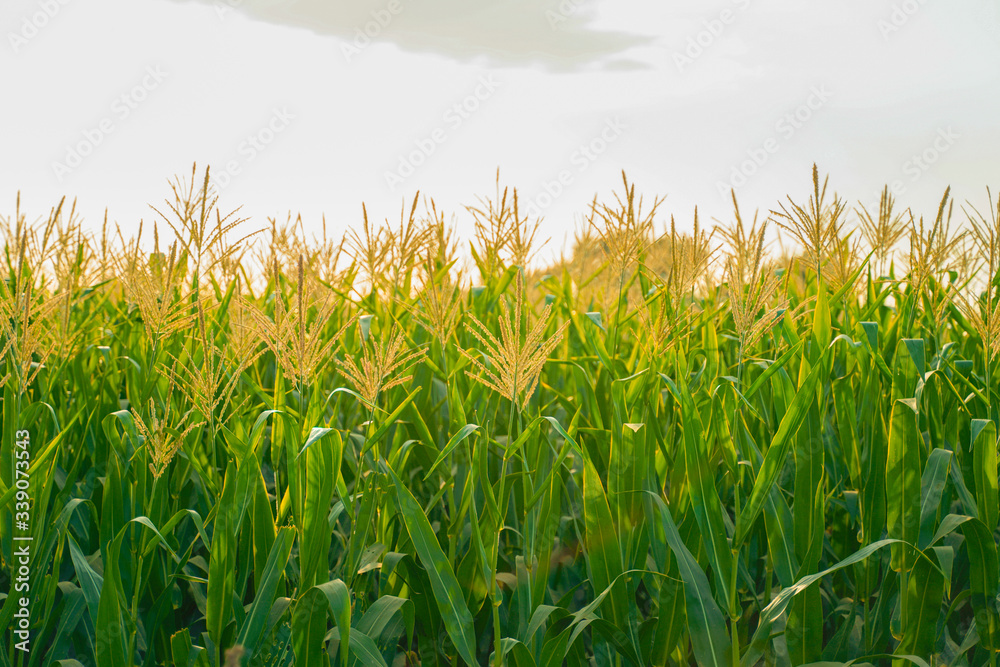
(887, 80)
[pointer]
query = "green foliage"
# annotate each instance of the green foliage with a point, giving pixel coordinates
(330, 466)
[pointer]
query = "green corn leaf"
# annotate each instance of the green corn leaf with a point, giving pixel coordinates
(924, 594)
(780, 603)
(338, 599)
(222, 563)
(902, 483)
(983, 442)
(777, 453)
(706, 624)
(808, 508)
(362, 649)
(804, 629)
(984, 578)
(322, 453)
(90, 582)
(603, 549)
(773, 368)
(453, 442)
(309, 627)
(253, 627)
(778, 524)
(447, 592)
(181, 647)
(387, 618)
(514, 653)
(704, 496)
(932, 487)
(843, 395)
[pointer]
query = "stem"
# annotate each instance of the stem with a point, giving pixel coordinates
(987, 355)
(739, 370)
(903, 586)
(376, 456)
(769, 565)
(618, 310)
(497, 596)
(867, 625)
(862, 520)
(734, 611)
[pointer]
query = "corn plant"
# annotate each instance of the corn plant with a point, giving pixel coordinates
(667, 448)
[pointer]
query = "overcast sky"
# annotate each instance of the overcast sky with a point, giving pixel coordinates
(302, 108)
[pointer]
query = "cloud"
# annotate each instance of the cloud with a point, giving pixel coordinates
(555, 34)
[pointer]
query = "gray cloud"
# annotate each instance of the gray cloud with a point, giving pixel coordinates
(553, 34)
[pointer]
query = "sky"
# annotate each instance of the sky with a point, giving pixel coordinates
(313, 107)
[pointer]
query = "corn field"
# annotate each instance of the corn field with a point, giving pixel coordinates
(667, 448)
